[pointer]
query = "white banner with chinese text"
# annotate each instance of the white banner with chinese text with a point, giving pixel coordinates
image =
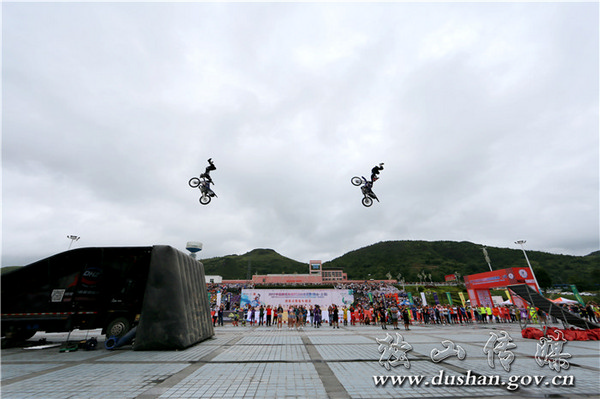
(286, 298)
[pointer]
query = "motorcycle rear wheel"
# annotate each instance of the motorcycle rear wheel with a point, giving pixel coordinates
(367, 201)
(357, 181)
(194, 182)
(205, 200)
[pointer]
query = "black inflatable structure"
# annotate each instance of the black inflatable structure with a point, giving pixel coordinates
(176, 310)
(158, 290)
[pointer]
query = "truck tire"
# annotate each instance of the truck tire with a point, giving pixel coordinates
(24, 335)
(118, 327)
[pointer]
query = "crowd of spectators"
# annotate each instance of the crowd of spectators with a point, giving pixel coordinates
(376, 303)
(383, 314)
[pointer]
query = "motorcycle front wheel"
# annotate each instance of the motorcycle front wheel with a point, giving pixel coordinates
(367, 201)
(357, 181)
(194, 182)
(205, 199)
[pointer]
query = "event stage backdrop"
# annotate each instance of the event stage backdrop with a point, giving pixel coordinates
(296, 297)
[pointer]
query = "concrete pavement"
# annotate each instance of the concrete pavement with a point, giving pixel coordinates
(264, 362)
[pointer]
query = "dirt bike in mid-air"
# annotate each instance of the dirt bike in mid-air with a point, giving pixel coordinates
(368, 194)
(203, 184)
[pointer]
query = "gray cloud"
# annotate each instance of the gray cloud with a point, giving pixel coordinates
(486, 116)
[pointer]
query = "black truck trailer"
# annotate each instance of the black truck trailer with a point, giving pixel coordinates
(158, 289)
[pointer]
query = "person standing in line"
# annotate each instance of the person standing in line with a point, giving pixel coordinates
(405, 317)
(475, 313)
(261, 315)
(366, 315)
(279, 317)
(336, 322)
(299, 315)
(394, 313)
(269, 314)
(291, 318)
(490, 314)
(445, 315)
(213, 314)
(382, 318)
(234, 317)
(240, 311)
(496, 314)
(318, 314)
(220, 316)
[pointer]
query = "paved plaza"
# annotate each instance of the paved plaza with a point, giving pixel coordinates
(264, 362)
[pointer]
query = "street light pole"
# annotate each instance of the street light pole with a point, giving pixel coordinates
(521, 242)
(72, 238)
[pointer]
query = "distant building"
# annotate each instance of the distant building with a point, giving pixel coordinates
(334, 275)
(287, 279)
(316, 275)
(213, 279)
(315, 267)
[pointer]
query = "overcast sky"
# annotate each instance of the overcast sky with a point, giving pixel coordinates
(486, 116)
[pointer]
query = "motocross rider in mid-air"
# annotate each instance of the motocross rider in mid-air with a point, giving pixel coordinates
(211, 166)
(375, 172)
(374, 176)
(204, 182)
(205, 185)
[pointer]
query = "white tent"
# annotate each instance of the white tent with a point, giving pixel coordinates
(561, 300)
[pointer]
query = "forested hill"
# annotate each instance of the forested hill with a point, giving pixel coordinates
(257, 261)
(446, 257)
(410, 258)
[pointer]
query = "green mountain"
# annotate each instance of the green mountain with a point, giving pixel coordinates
(409, 258)
(446, 257)
(257, 261)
